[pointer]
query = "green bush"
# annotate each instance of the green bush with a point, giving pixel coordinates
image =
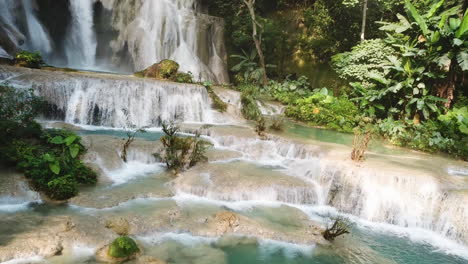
(62, 188)
(218, 104)
(181, 153)
(123, 247)
(29, 59)
(182, 77)
(49, 158)
(366, 59)
(249, 94)
(325, 110)
(430, 136)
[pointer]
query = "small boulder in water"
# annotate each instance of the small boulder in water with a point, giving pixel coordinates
(120, 250)
(164, 70)
(119, 225)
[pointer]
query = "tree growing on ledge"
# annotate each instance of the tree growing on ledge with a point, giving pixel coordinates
(257, 38)
(340, 226)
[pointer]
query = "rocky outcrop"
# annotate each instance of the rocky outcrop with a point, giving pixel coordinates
(164, 70)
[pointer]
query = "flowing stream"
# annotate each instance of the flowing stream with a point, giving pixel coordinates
(406, 207)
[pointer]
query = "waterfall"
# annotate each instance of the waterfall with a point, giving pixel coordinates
(81, 43)
(133, 34)
(38, 38)
(114, 101)
(151, 31)
(389, 194)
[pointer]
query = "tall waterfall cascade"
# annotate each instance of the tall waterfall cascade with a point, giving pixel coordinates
(81, 42)
(119, 36)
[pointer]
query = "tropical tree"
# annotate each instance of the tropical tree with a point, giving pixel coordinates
(257, 37)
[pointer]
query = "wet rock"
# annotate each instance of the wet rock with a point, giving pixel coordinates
(226, 222)
(120, 250)
(119, 225)
(164, 70)
(233, 241)
(150, 260)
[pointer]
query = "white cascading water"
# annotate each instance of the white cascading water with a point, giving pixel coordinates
(80, 45)
(407, 198)
(38, 37)
(117, 101)
(167, 29)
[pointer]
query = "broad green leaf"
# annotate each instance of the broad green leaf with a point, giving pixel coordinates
(57, 140)
(379, 78)
(379, 106)
(48, 157)
(463, 27)
(417, 17)
(69, 140)
(454, 23)
(457, 42)
(426, 113)
(420, 104)
(462, 59)
(433, 107)
(74, 150)
(55, 168)
(434, 9)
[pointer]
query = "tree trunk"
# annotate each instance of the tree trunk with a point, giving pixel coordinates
(257, 40)
(364, 19)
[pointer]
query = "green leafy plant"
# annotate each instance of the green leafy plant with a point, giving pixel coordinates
(29, 59)
(180, 153)
(249, 95)
(218, 104)
(182, 77)
(323, 109)
(48, 158)
(248, 67)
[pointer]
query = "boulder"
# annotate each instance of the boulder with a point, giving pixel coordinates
(120, 250)
(164, 70)
(119, 225)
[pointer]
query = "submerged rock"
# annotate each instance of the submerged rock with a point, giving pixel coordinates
(150, 260)
(119, 225)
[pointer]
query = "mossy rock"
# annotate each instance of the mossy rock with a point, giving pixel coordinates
(123, 247)
(164, 70)
(168, 68)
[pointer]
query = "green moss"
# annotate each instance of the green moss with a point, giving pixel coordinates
(182, 77)
(168, 68)
(123, 247)
(218, 104)
(29, 59)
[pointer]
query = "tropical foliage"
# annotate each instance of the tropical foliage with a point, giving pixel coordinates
(48, 158)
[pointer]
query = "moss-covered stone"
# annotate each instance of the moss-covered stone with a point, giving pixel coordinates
(164, 70)
(123, 247)
(168, 68)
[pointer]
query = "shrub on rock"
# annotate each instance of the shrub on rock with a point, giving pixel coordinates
(123, 247)
(29, 59)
